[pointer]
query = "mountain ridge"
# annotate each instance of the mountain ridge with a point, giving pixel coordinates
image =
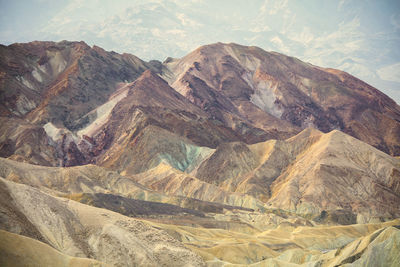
(230, 155)
(298, 92)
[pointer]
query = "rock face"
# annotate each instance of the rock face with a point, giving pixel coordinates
(53, 85)
(74, 102)
(153, 120)
(60, 82)
(229, 155)
(279, 93)
(309, 173)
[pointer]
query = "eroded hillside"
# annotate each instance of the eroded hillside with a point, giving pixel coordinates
(229, 156)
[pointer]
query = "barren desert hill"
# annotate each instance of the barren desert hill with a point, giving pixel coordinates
(71, 100)
(228, 156)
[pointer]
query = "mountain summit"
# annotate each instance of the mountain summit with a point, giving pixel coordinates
(290, 94)
(229, 155)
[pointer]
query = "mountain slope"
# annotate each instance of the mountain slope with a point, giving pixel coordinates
(54, 77)
(17, 250)
(85, 99)
(294, 246)
(96, 186)
(249, 81)
(154, 122)
(51, 86)
(170, 181)
(340, 172)
(115, 239)
(83, 231)
(309, 173)
(230, 155)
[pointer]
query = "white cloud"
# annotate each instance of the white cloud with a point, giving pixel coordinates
(182, 33)
(260, 28)
(390, 73)
(330, 48)
(277, 6)
(280, 44)
(341, 4)
(186, 21)
(346, 30)
(305, 37)
(156, 32)
(359, 70)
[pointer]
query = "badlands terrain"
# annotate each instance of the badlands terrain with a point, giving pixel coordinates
(229, 156)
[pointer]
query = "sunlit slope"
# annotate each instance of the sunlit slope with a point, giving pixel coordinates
(18, 250)
(290, 246)
(79, 230)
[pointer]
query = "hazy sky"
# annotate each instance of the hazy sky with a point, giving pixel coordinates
(360, 37)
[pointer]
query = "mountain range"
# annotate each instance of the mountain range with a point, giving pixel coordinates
(229, 155)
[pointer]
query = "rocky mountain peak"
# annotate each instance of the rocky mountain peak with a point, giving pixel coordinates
(287, 89)
(230, 155)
